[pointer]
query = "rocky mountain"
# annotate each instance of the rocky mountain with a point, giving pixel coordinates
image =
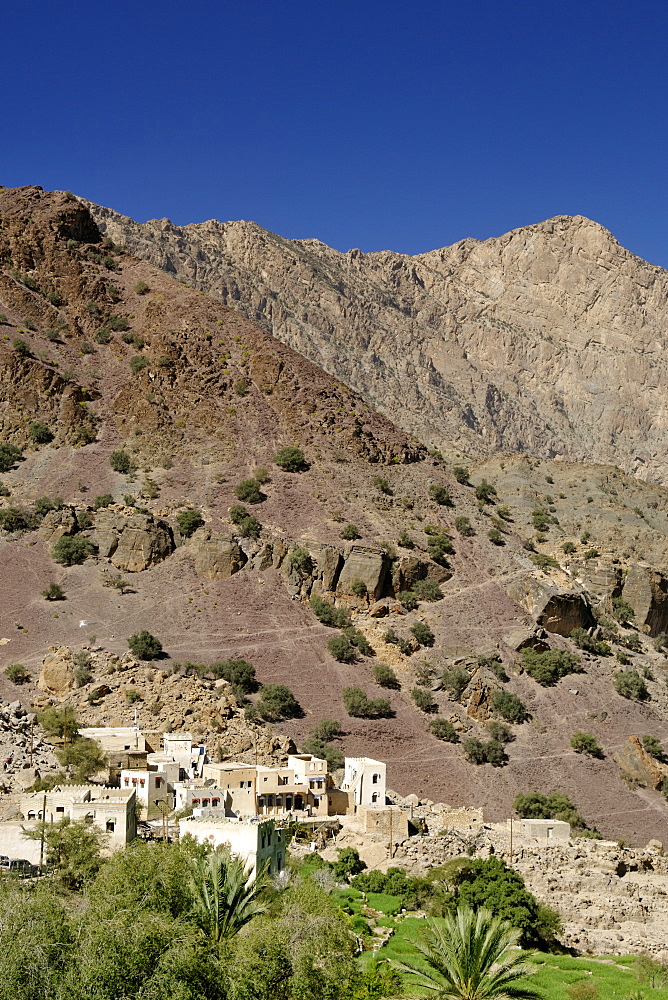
(548, 341)
(128, 399)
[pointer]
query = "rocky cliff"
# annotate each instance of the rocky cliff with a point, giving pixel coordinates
(548, 340)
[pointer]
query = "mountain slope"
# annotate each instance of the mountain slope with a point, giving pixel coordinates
(109, 353)
(549, 340)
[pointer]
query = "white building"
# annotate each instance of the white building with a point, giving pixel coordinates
(258, 844)
(111, 810)
(152, 789)
(364, 781)
(541, 831)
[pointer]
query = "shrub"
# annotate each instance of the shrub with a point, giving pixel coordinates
(17, 673)
(423, 634)
(485, 492)
(653, 747)
(405, 540)
(535, 805)
(461, 474)
(384, 675)
(660, 642)
(16, 519)
(478, 752)
(408, 599)
(145, 646)
(328, 614)
(544, 561)
(569, 548)
(443, 730)
(454, 681)
(40, 433)
(342, 649)
(500, 732)
(622, 610)
(239, 673)
(249, 491)
(440, 494)
(250, 527)
(496, 537)
(132, 696)
(290, 459)
(359, 705)
(300, 561)
(381, 484)
(464, 526)
(53, 593)
(9, 456)
(350, 533)
(509, 706)
(586, 743)
(278, 702)
(43, 505)
(584, 641)
(102, 500)
(359, 640)
(629, 684)
(241, 387)
(189, 521)
(103, 335)
(59, 722)
(548, 667)
(540, 520)
(141, 288)
(319, 748)
(424, 700)
(439, 546)
(21, 347)
(138, 363)
(427, 590)
(118, 323)
(70, 551)
(120, 461)
(358, 588)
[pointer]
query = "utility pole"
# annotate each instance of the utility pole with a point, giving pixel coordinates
(391, 816)
(32, 723)
(511, 841)
(41, 839)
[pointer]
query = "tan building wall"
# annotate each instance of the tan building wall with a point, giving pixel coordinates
(258, 844)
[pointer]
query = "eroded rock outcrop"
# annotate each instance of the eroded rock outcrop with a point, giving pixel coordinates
(646, 590)
(217, 556)
(132, 542)
(552, 608)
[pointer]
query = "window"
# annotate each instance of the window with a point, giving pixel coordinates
(215, 802)
(195, 802)
(111, 825)
(134, 781)
(374, 797)
(374, 779)
(126, 781)
(61, 809)
(142, 782)
(205, 802)
(265, 779)
(158, 782)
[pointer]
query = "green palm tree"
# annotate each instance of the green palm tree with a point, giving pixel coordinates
(226, 895)
(469, 956)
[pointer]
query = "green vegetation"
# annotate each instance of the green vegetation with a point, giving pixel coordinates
(408, 599)
(359, 705)
(138, 363)
(464, 526)
(328, 614)
(461, 474)
(358, 588)
(509, 706)
(72, 550)
(443, 729)
(141, 288)
(290, 459)
(342, 649)
(480, 752)
(319, 740)
(405, 540)
(359, 640)
(120, 461)
(16, 519)
(535, 805)
(9, 456)
(569, 548)
(17, 673)
(54, 592)
(145, 646)
(299, 561)
(43, 505)
(102, 500)
(424, 700)
(549, 666)
(653, 747)
(241, 387)
(21, 347)
(586, 743)
(40, 433)
(583, 640)
(427, 590)
(249, 491)
(629, 684)
(118, 323)
(496, 536)
(485, 492)
(249, 526)
(385, 676)
(382, 485)
(454, 680)
(622, 610)
(59, 722)
(423, 634)
(189, 521)
(440, 495)
(350, 533)
(82, 758)
(543, 561)
(277, 702)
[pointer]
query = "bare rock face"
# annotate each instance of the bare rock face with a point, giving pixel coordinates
(639, 765)
(646, 590)
(132, 542)
(57, 523)
(548, 340)
(57, 674)
(552, 608)
(365, 564)
(217, 556)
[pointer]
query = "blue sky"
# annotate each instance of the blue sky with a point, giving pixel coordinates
(379, 125)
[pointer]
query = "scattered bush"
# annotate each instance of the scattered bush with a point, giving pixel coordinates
(189, 521)
(424, 700)
(59, 722)
(21, 347)
(249, 526)
(141, 288)
(660, 642)
(239, 673)
(496, 537)
(278, 702)
(544, 561)
(249, 491)
(384, 675)
(584, 641)
(464, 526)
(102, 500)
(405, 540)
(540, 520)
(40, 433)
(342, 649)
(535, 805)
(359, 705)
(120, 461)
(427, 590)
(495, 664)
(241, 387)
(358, 588)
(440, 494)
(408, 599)
(359, 640)
(485, 492)
(479, 752)
(103, 335)
(138, 363)
(439, 547)
(548, 667)
(509, 706)
(350, 533)
(9, 456)
(381, 484)
(290, 459)
(328, 614)
(423, 634)
(132, 696)
(653, 747)
(72, 550)
(443, 730)
(454, 681)
(569, 548)
(118, 323)
(53, 593)
(622, 610)
(629, 684)
(461, 474)
(300, 561)
(500, 732)
(586, 743)
(16, 519)
(145, 646)
(17, 673)
(43, 505)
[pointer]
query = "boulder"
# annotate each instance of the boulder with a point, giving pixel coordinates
(217, 556)
(133, 542)
(57, 523)
(646, 590)
(371, 566)
(553, 608)
(639, 765)
(56, 676)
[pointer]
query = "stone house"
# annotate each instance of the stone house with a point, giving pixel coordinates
(364, 781)
(151, 788)
(258, 844)
(111, 810)
(541, 831)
